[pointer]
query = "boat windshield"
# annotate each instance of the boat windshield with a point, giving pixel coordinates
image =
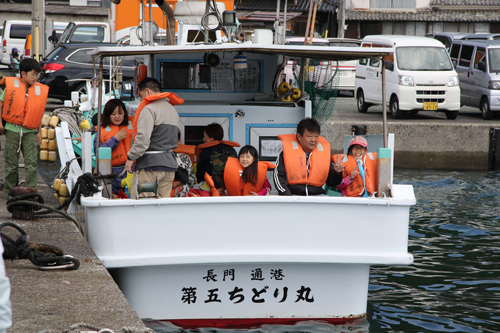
(494, 59)
(423, 59)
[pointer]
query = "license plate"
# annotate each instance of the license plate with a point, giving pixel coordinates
(430, 105)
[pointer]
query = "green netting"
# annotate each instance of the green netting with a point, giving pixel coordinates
(321, 84)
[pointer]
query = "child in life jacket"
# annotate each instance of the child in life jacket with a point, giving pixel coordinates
(211, 186)
(116, 132)
(359, 172)
(181, 178)
(245, 175)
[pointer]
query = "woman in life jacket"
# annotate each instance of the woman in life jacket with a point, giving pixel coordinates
(245, 175)
(212, 154)
(116, 132)
(360, 169)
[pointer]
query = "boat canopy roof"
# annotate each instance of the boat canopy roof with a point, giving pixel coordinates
(299, 51)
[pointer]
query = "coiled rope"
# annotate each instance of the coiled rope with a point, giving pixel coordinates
(72, 116)
(53, 258)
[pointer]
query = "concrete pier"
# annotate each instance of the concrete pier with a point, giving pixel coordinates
(56, 299)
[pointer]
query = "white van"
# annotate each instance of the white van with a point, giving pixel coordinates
(14, 35)
(477, 63)
(419, 76)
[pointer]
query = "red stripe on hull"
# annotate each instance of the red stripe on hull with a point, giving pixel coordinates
(250, 323)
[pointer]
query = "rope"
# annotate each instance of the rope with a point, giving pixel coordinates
(86, 185)
(75, 328)
(25, 250)
(72, 117)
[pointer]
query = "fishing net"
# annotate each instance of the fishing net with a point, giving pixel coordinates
(321, 84)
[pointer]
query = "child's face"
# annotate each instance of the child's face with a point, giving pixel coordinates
(222, 191)
(246, 160)
(29, 77)
(117, 116)
(358, 151)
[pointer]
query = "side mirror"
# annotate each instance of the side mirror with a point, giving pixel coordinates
(53, 38)
(454, 63)
(389, 65)
(481, 66)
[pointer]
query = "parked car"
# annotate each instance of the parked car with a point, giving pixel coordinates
(477, 63)
(447, 37)
(58, 28)
(491, 36)
(14, 35)
(419, 76)
(68, 67)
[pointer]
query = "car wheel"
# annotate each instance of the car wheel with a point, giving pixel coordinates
(452, 115)
(394, 106)
(485, 109)
(362, 105)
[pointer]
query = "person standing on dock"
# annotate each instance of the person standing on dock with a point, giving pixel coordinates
(305, 163)
(156, 126)
(22, 105)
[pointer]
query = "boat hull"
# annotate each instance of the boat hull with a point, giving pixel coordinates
(249, 257)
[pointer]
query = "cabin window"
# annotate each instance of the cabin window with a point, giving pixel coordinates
(193, 135)
(269, 148)
(193, 75)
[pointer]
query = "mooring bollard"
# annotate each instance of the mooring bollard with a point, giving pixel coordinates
(22, 212)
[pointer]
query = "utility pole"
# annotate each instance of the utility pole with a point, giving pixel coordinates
(341, 19)
(37, 29)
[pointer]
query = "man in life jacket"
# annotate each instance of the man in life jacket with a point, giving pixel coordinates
(213, 153)
(305, 163)
(22, 105)
(156, 124)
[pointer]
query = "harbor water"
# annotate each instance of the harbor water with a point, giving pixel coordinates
(453, 284)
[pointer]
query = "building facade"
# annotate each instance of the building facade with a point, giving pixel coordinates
(418, 17)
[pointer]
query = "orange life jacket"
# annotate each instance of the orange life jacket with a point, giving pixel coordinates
(119, 154)
(174, 100)
(234, 183)
(295, 161)
(189, 150)
(210, 182)
(17, 109)
(370, 167)
(202, 146)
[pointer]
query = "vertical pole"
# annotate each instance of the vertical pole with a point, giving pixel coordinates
(151, 42)
(284, 23)
(277, 23)
(99, 106)
(340, 18)
(308, 21)
(37, 26)
(384, 106)
(343, 19)
(313, 22)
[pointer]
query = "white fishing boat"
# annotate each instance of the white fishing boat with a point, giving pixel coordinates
(215, 261)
